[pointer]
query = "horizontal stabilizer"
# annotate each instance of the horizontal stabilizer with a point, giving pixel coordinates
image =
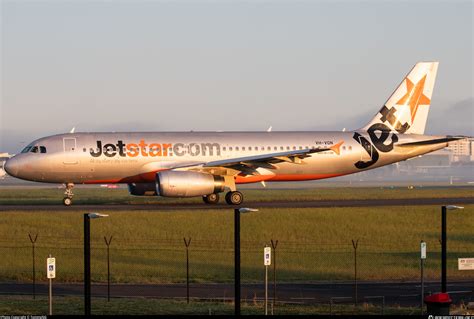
(434, 141)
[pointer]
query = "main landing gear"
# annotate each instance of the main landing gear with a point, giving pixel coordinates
(234, 198)
(231, 198)
(67, 200)
(211, 199)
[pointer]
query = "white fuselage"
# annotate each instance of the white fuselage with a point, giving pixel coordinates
(136, 157)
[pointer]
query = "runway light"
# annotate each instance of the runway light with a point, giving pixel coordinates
(453, 207)
(247, 210)
(97, 215)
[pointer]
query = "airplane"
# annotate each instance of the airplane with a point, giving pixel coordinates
(193, 164)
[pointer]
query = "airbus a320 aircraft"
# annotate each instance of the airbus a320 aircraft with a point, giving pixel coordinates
(188, 164)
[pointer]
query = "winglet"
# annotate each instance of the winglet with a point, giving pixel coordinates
(336, 148)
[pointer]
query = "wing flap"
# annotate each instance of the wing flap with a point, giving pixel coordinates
(264, 160)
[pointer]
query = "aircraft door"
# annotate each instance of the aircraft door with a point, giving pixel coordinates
(69, 144)
(366, 149)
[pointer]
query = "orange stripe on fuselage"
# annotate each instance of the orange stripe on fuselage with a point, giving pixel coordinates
(140, 178)
(301, 177)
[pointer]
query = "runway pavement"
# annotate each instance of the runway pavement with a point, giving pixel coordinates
(402, 293)
(272, 204)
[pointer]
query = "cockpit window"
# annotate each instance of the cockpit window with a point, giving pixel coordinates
(26, 149)
(34, 149)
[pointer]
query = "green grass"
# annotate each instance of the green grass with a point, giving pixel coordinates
(314, 244)
(20, 305)
(88, 195)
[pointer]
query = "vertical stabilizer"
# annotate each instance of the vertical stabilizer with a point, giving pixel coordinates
(406, 111)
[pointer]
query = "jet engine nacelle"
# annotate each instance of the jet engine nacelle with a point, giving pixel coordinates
(142, 189)
(188, 184)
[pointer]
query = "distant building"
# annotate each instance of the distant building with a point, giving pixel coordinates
(463, 150)
(438, 159)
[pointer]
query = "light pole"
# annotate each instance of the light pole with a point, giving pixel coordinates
(438, 304)
(444, 209)
(87, 260)
(237, 213)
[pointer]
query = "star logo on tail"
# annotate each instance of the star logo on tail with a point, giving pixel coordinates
(414, 96)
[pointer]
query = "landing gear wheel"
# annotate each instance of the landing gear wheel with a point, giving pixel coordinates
(211, 199)
(67, 201)
(234, 198)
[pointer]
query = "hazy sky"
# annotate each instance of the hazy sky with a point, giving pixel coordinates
(164, 65)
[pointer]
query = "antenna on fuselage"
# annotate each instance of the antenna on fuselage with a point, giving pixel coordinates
(72, 130)
(269, 129)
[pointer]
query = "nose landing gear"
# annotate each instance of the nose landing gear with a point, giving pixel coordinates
(67, 200)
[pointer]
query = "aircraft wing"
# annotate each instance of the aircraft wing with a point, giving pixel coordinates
(249, 164)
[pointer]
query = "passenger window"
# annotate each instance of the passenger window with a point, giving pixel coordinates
(243, 148)
(275, 148)
(281, 148)
(288, 148)
(294, 147)
(236, 148)
(350, 148)
(224, 149)
(42, 149)
(269, 148)
(230, 148)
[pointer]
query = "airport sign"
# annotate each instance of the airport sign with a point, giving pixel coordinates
(423, 250)
(466, 263)
(51, 267)
(267, 256)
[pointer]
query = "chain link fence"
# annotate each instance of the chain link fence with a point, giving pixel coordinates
(159, 268)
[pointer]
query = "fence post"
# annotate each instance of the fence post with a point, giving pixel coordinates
(33, 242)
(383, 305)
(108, 242)
(274, 247)
(187, 243)
(355, 244)
(422, 259)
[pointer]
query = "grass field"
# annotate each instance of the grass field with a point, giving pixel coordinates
(88, 195)
(314, 244)
(20, 305)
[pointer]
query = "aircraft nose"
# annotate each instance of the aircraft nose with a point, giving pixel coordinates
(12, 166)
